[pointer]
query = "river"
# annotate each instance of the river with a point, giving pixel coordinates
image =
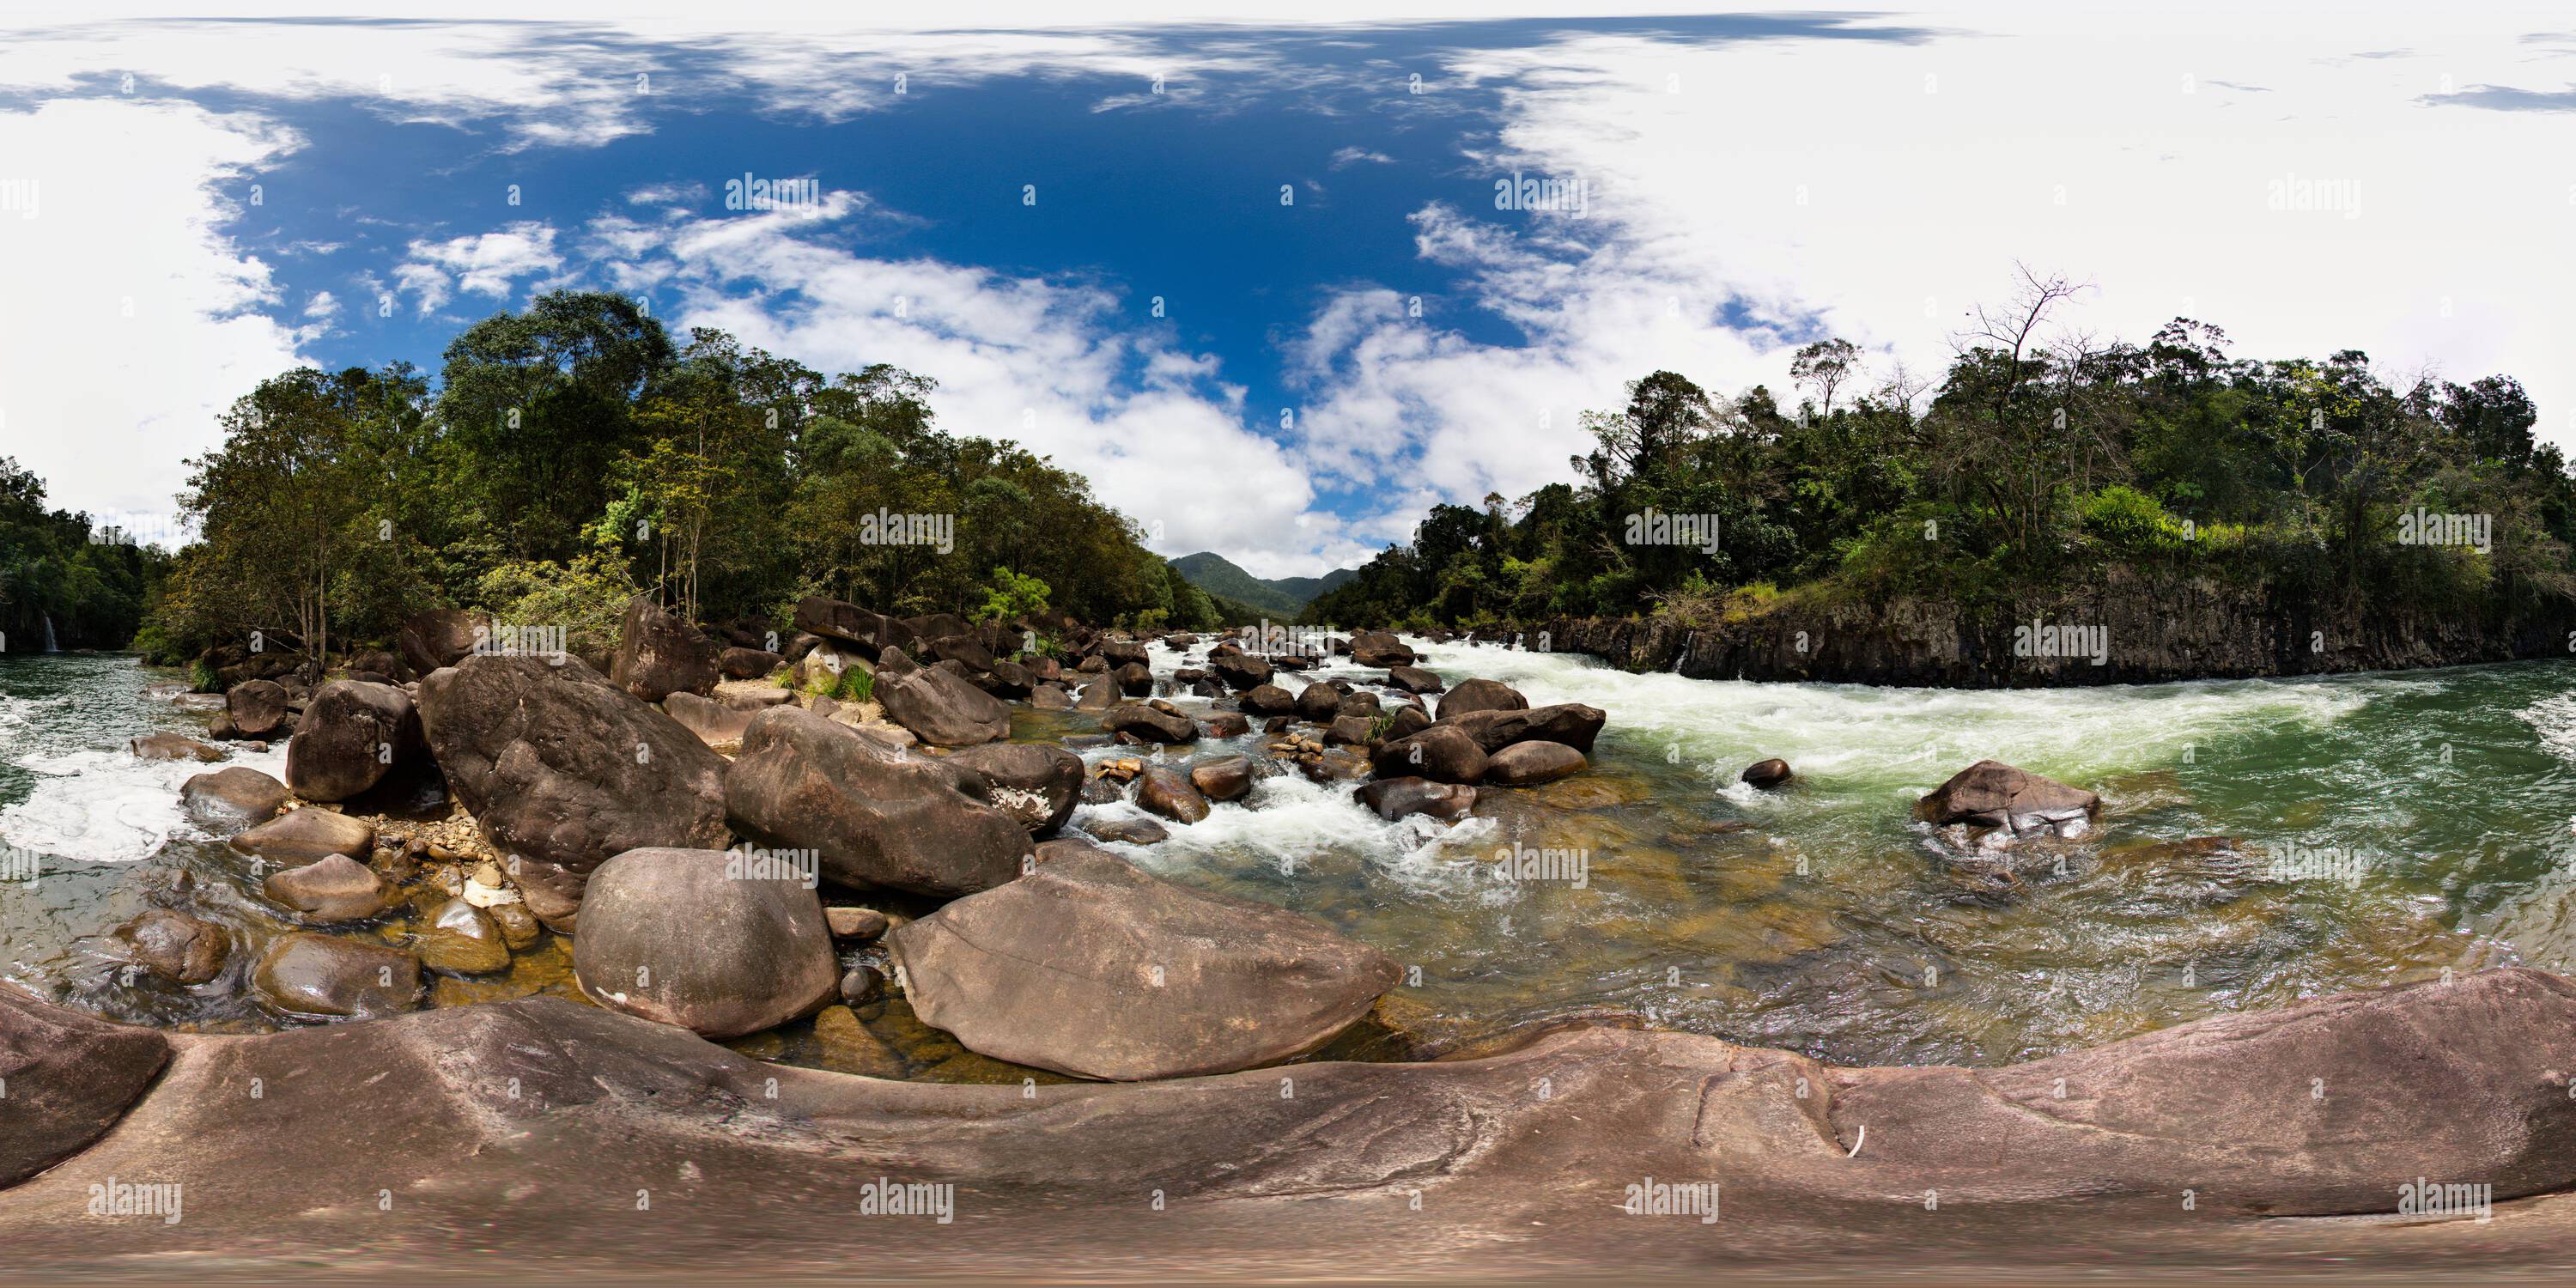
(2381, 828)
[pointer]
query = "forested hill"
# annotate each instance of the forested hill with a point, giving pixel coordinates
(92, 594)
(2320, 486)
(1282, 597)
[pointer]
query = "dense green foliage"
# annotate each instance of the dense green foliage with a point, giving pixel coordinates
(2029, 467)
(574, 455)
(93, 592)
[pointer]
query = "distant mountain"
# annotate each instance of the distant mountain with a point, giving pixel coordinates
(1282, 597)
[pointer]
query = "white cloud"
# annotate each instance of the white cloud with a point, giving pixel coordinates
(483, 263)
(130, 322)
(1345, 157)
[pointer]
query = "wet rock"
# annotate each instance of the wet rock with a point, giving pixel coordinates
(316, 976)
(855, 925)
(1360, 703)
(1090, 967)
(1095, 664)
(230, 799)
(69, 1078)
(1441, 753)
(463, 940)
(1151, 724)
(1225, 724)
(1321, 701)
(1766, 773)
(716, 724)
(1164, 791)
(1481, 695)
(1268, 700)
(659, 654)
(875, 815)
(306, 836)
(860, 985)
(1128, 831)
(1380, 649)
(1240, 672)
(1571, 723)
(171, 746)
(1413, 679)
(1408, 720)
(1036, 785)
(1395, 798)
(672, 936)
(942, 709)
(175, 946)
(258, 709)
(1350, 731)
(562, 770)
(440, 637)
(1134, 679)
(1225, 778)
(1007, 680)
(1050, 697)
(1525, 764)
(1337, 765)
(1991, 795)
(351, 737)
(748, 663)
(336, 888)
(518, 926)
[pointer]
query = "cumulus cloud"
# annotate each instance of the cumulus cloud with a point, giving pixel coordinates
(483, 263)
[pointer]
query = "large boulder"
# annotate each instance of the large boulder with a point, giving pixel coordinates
(1380, 649)
(1134, 679)
(875, 815)
(717, 724)
(1525, 764)
(867, 633)
(1222, 778)
(1168, 792)
(1150, 723)
(1413, 679)
(309, 975)
(1766, 773)
(562, 769)
(1037, 785)
(1991, 795)
(659, 654)
(166, 745)
(1441, 753)
(1320, 701)
(440, 637)
(334, 888)
(257, 708)
(68, 1078)
(705, 940)
(1240, 671)
(1118, 653)
(1571, 723)
(1090, 967)
(233, 799)
(352, 736)
(307, 836)
(1481, 694)
(942, 709)
(739, 663)
(1268, 700)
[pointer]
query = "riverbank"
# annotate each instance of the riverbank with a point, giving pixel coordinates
(2121, 630)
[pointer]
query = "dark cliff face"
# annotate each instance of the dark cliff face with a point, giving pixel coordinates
(2141, 634)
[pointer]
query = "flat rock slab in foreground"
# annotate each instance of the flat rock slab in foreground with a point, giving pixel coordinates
(1090, 967)
(534, 1124)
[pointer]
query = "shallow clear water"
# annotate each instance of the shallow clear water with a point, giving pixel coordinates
(2432, 811)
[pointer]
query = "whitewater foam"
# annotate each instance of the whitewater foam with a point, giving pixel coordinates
(111, 806)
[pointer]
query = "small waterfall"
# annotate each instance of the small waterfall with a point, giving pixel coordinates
(50, 645)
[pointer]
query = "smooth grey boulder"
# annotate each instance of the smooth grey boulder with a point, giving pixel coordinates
(875, 815)
(1167, 791)
(1035, 784)
(1090, 967)
(943, 709)
(1526, 764)
(1991, 795)
(1268, 700)
(258, 708)
(1441, 753)
(231, 799)
(562, 769)
(334, 888)
(1152, 724)
(1395, 798)
(1320, 701)
(351, 737)
(175, 946)
(704, 940)
(1571, 723)
(68, 1078)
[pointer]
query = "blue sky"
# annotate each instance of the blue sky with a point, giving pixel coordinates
(214, 201)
